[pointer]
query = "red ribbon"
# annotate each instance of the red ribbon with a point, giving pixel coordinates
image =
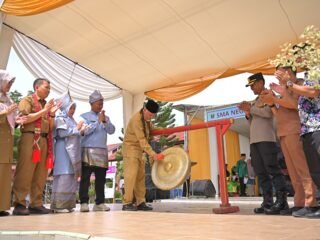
(36, 154)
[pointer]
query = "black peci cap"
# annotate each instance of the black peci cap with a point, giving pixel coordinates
(152, 106)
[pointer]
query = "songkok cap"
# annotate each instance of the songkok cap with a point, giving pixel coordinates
(253, 78)
(95, 96)
(152, 106)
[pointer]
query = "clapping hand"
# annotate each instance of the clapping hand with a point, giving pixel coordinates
(283, 77)
(266, 97)
(82, 128)
(55, 107)
(49, 105)
(21, 119)
(80, 124)
(277, 88)
(102, 116)
(244, 106)
(13, 107)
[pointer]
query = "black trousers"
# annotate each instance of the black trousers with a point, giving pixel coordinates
(242, 186)
(311, 147)
(265, 164)
(100, 175)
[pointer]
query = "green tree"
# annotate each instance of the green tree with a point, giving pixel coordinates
(15, 96)
(119, 157)
(17, 135)
(165, 119)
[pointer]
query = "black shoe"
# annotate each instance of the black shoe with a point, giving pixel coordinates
(314, 214)
(262, 209)
(129, 207)
(20, 210)
(289, 211)
(259, 210)
(39, 210)
(4, 214)
(280, 204)
(144, 207)
(266, 204)
(304, 211)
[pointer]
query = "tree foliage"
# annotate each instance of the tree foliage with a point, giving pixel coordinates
(15, 96)
(165, 119)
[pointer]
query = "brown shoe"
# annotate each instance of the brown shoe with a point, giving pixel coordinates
(39, 210)
(20, 210)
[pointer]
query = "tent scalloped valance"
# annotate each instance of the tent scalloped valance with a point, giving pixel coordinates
(186, 89)
(30, 7)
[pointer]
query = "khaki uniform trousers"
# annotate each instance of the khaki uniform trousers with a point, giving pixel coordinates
(5, 186)
(134, 180)
(30, 177)
(6, 157)
(305, 190)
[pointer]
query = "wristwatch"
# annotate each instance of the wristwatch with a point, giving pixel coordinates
(289, 84)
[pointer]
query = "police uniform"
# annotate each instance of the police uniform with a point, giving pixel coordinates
(31, 177)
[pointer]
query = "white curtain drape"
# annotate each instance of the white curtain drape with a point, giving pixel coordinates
(63, 74)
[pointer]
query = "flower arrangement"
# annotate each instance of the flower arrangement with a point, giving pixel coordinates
(305, 55)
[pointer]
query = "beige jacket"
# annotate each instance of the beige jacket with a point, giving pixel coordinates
(136, 141)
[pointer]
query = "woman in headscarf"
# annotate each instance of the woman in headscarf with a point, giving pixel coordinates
(8, 119)
(67, 165)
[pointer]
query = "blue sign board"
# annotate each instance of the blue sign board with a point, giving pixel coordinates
(223, 113)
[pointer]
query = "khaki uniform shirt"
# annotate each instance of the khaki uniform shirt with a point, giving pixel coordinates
(136, 141)
(288, 120)
(27, 106)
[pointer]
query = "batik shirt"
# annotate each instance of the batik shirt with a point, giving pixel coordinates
(309, 111)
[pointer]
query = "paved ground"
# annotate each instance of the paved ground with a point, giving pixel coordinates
(177, 219)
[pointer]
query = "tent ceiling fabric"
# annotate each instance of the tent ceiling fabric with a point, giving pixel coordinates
(144, 45)
(63, 73)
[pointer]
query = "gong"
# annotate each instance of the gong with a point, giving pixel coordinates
(173, 170)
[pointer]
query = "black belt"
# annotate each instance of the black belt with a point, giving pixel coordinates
(41, 134)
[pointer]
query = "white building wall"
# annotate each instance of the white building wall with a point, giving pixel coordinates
(244, 145)
(214, 167)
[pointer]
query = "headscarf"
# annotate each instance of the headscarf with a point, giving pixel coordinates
(66, 104)
(5, 101)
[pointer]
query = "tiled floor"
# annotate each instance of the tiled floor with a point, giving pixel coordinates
(174, 220)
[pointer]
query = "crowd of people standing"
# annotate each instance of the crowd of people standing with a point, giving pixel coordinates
(80, 148)
(294, 103)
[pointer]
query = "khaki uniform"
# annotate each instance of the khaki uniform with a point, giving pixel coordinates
(30, 177)
(134, 144)
(288, 131)
(6, 157)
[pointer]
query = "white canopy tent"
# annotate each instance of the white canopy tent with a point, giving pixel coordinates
(144, 45)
